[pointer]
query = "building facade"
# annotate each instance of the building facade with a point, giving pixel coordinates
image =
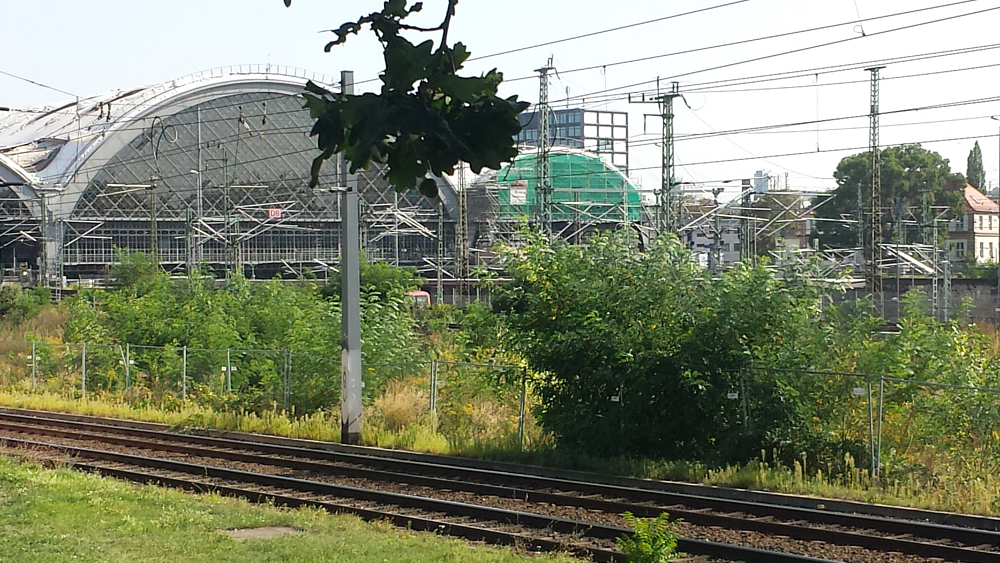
(601, 132)
(975, 236)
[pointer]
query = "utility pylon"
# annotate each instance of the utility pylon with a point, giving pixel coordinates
(873, 239)
(543, 170)
(669, 205)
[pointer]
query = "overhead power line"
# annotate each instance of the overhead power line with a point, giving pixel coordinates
(36, 83)
(609, 30)
(775, 36)
(757, 128)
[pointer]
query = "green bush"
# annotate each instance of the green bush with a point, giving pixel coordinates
(652, 541)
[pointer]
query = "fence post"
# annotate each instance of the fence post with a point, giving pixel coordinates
(871, 426)
(83, 372)
(744, 399)
(878, 441)
(128, 366)
(433, 390)
(520, 415)
(184, 373)
(34, 361)
(229, 370)
(288, 379)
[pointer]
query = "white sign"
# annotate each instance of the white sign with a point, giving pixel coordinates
(274, 213)
(858, 391)
(732, 395)
(518, 193)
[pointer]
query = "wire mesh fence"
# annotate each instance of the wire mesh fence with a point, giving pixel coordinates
(452, 394)
(895, 424)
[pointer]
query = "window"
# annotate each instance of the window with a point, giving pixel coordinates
(981, 255)
(991, 251)
(980, 222)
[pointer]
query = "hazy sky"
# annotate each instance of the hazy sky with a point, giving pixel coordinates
(85, 48)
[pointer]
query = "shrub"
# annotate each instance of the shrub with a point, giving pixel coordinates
(652, 541)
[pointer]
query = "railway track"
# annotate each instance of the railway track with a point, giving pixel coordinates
(577, 516)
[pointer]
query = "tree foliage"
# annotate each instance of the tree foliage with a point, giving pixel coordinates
(381, 278)
(148, 308)
(974, 172)
(907, 172)
(643, 354)
(638, 351)
(426, 117)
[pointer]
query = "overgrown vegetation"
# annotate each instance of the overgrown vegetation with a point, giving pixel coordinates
(633, 362)
(641, 354)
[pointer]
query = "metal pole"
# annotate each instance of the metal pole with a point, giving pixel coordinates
(153, 234)
(200, 205)
(878, 442)
(350, 327)
(871, 427)
(83, 372)
(433, 389)
(350, 299)
(184, 373)
(128, 361)
(43, 231)
(288, 379)
(34, 361)
(520, 415)
(229, 371)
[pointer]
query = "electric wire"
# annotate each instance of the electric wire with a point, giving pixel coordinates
(609, 30)
(36, 83)
(779, 35)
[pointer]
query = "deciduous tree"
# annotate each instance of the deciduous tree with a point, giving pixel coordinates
(426, 117)
(908, 171)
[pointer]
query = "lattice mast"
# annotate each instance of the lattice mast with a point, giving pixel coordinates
(668, 205)
(543, 171)
(462, 233)
(873, 239)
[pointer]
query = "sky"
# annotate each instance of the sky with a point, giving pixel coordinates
(86, 48)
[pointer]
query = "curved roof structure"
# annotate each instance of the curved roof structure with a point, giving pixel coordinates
(586, 187)
(219, 157)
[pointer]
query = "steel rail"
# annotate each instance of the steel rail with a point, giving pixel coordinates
(499, 515)
(797, 532)
(724, 493)
(531, 483)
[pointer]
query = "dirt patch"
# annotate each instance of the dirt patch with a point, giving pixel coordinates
(265, 533)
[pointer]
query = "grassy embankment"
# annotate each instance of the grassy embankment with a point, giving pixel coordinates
(400, 418)
(56, 516)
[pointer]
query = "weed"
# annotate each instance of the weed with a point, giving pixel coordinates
(653, 540)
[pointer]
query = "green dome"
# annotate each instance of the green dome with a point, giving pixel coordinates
(584, 188)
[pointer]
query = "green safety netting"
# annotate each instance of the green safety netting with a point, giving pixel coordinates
(584, 189)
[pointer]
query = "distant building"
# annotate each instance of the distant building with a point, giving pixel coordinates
(601, 132)
(975, 236)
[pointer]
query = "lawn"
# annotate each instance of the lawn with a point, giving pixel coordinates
(59, 515)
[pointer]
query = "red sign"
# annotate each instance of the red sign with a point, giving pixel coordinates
(274, 213)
